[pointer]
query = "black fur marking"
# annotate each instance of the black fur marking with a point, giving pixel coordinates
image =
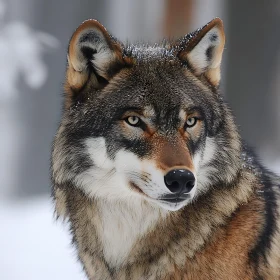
(88, 52)
(213, 37)
(217, 128)
(258, 277)
(139, 147)
(194, 146)
(79, 165)
(111, 70)
(209, 53)
(89, 55)
(264, 243)
(92, 37)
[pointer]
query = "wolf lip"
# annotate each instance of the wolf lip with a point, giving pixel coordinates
(175, 199)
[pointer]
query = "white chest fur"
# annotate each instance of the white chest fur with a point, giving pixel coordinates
(122, 225)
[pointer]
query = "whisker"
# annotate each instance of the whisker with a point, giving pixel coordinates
(140, 175)
(107, 176)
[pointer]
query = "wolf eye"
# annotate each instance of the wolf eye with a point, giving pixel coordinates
(133, 121)
(191, 122)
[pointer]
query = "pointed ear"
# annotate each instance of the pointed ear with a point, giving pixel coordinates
(203, 49)
(93, 55)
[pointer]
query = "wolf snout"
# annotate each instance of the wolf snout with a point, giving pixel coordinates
(179, 181)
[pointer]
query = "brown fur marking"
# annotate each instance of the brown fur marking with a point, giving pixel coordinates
(169, 155)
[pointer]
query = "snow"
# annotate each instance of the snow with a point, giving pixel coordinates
(21, 55)
(33, 245)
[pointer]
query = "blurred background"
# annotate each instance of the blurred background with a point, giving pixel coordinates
(33, 41)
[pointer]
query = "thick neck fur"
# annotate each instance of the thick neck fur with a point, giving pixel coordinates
(113, 237)
(122, 224)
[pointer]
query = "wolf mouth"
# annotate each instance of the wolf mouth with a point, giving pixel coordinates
(169, 198)
(175, 199)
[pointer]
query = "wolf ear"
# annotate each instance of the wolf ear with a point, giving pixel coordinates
(92, 54)
(203, 49)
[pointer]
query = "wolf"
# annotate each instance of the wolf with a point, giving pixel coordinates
(149, 169)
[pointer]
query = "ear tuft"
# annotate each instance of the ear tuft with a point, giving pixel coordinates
(203, 49)
(93, 54)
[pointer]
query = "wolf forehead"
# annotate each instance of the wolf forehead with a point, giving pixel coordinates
(157, 89)
(156, 78)
(154, 82)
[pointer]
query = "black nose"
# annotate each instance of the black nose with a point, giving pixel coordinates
(179, 181)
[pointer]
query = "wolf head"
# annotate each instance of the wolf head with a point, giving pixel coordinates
(145, 122)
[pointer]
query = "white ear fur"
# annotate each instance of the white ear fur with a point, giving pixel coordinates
(91, 46)
(204, 51)
(205, 54)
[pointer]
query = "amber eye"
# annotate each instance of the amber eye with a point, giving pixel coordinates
(133, 120)
(191, 122)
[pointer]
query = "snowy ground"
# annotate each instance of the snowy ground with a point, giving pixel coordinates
(33, 246)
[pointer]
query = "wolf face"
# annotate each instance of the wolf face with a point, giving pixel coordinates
(145, 123)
